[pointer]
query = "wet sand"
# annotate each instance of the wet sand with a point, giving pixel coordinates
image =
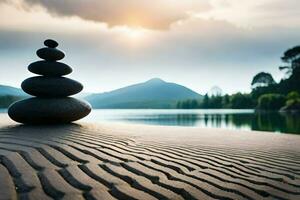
(118, 161)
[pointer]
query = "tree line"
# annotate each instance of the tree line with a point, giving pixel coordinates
(235, 101)
(266, 93)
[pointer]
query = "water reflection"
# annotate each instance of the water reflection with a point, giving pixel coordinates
(278, 122)
(229, 119)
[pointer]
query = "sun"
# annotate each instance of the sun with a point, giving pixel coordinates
(134, 33)
(133, 36)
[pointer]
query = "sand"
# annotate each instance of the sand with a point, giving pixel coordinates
(119, 161)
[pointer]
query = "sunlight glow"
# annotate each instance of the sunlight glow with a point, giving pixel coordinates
(134, 33)
(133, 37)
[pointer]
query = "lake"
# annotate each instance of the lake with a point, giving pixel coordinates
(221, 118)
(215, 118)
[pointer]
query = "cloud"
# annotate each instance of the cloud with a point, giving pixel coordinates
(280, 13)
(155, 14)
(256, 13)
(280, 6)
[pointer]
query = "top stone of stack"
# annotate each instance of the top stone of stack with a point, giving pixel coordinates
(50, 53)
(51, 43)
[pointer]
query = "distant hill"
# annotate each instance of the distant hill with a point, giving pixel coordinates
(82, 95)
(154, 93)
(11, 91)
(8, 95)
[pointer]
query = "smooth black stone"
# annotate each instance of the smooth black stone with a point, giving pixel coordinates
(48, 110)
(50, 54)
(47, 68)
(51, 43)
(41, 86)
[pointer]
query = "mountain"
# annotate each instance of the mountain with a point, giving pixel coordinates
(11, 91)
(9, 95)
(154, 93)
(82, 95)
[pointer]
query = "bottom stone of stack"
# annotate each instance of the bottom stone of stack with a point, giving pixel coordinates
(48, 110)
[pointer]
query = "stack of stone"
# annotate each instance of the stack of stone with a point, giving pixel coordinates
(51, 104)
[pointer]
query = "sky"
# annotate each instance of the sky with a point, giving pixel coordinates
(111, 43)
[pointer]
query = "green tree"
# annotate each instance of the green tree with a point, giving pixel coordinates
(271, 102)
(226, 101)
(179, 105)
(292, 102)
(215, 102)
(194, 104)
(205, 102)
(262, 79)
(188, 104)
(241, 101)
(184, 104)
(292, 58)
(293, 96)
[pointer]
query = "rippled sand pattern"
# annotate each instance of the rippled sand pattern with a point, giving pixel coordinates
(139, 162)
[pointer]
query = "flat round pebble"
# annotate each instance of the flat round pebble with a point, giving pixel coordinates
(50, 54)
(47, 68)
(48, 110)
(41, 86)
(51, 43)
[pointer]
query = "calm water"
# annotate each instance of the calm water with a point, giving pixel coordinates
(227, 119)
